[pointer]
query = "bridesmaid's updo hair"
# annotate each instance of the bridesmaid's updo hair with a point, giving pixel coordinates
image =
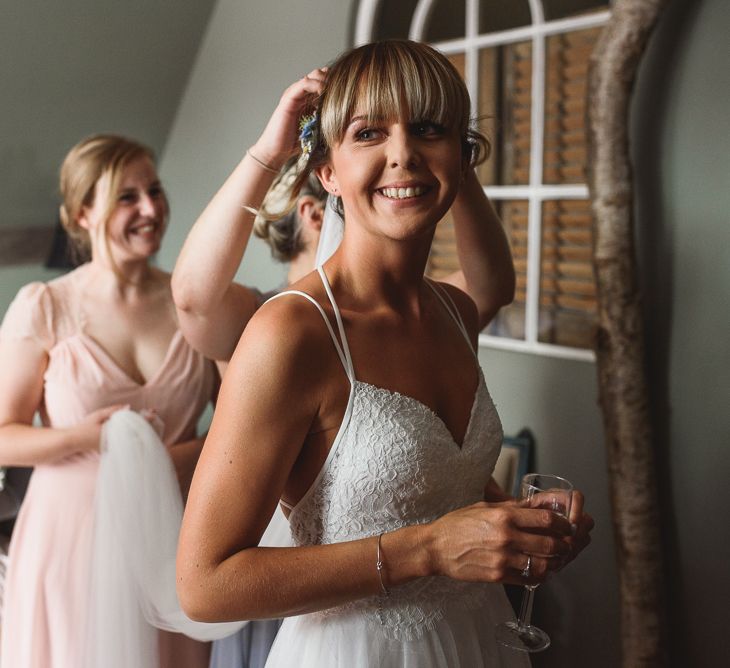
(387, 80)
(277, 222)
(94, 158)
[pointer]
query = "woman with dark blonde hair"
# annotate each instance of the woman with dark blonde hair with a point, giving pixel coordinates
(77, 350)
(356, 401)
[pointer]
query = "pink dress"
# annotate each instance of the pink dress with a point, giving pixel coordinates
(46, 592)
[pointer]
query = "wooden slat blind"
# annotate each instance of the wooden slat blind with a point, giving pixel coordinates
(565, 102)
(516, 98)
(567, 286)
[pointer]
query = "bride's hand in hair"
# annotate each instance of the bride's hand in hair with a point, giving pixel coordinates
(279, 139)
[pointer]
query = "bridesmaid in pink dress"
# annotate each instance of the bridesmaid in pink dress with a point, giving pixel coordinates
(76, 349)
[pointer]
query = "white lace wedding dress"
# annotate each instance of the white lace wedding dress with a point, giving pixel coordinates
(394, 463)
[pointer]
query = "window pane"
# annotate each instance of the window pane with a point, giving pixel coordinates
(447, 20)
(559, 9)
(393, 19)
(565, 105)
(504, 107)
(567, 284)
(510, 322)
(496, 15)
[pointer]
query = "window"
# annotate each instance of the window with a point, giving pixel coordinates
(525, 65)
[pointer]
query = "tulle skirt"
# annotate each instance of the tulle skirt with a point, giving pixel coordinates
(463, 638)
(137, 515)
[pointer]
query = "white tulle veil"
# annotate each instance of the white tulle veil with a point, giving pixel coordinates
(138, 513)
(333, 227)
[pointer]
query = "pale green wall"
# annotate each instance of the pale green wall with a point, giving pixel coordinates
(682, 133)
(78, 67)
(15, 277)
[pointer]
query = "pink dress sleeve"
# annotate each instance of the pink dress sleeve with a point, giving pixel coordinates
(30, 316)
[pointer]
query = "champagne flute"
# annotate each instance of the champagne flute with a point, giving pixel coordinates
(536, 491)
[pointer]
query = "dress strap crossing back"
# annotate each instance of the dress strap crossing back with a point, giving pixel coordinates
(340, 326)
(343, 351)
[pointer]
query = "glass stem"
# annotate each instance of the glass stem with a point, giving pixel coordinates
(526, 607)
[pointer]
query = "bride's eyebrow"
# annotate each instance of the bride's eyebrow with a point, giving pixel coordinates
(364, 119)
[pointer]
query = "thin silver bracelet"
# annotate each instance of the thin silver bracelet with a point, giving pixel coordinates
(379, 566)
(268, 168)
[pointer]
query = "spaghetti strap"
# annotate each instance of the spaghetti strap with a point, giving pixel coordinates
(343, 355)
(338, 317)
(450, 306)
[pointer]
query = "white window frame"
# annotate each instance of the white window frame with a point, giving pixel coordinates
(535, 192)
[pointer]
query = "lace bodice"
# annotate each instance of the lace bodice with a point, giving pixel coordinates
(394, 463)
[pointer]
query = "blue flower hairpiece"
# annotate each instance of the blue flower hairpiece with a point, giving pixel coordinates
(307, 129)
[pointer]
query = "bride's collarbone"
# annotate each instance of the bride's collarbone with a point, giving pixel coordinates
(444, 379)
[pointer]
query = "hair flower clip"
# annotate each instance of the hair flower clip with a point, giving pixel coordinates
(307, 130)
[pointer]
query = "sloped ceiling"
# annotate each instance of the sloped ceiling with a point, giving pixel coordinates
(76, 67)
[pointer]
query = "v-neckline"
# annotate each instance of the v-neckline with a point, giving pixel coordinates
(434, 415)
(344, 352)
(90, 341)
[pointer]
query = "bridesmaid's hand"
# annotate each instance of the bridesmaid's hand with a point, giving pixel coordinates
(155, 421)
(279, 139)
(87, 434)
(489, 542)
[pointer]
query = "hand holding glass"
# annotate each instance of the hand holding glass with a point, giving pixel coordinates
(536, 491)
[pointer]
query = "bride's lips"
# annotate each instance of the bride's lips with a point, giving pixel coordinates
(403, 191)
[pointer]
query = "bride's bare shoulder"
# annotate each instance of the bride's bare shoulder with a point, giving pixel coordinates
(289, 332)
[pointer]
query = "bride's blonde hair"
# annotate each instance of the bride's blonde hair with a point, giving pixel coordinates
(391, 79)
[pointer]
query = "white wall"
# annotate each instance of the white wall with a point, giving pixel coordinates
(252, 51)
